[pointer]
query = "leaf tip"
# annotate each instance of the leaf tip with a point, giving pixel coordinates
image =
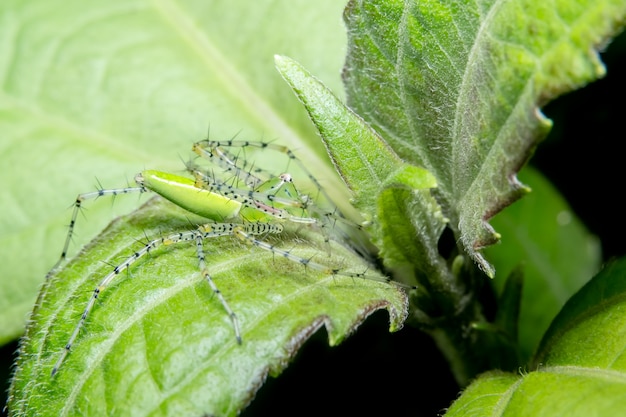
(282, 62)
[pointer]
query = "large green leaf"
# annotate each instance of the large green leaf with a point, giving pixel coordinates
(158, 341)
(580, 369)
(104, 89)
(456, 87)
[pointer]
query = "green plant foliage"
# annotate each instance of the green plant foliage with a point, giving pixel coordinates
(159, 342)
(378, 178)
(580, 367)
(443, 110)
(456, 87)
(96, 92)
(541, 234)
(463, 103)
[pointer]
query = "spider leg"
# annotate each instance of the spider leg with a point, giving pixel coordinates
(78, 203)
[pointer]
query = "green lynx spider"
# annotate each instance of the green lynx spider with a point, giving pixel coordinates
(255, 201)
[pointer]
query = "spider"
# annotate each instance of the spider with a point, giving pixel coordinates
(242, 201)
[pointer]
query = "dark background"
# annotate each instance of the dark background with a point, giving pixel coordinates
(377, 373)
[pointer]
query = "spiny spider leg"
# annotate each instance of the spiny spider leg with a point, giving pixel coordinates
(206, 231)
(331, 221)
(324, 221)
(266, 188)
(249, 238)
(211, 149)
(253, 199)
(250, 176)
(77, 206)
(349, 233)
